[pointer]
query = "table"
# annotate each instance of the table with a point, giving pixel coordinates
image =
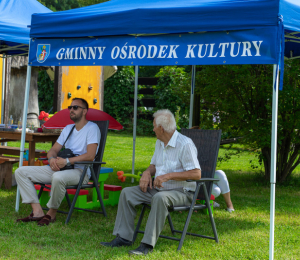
(31, 138)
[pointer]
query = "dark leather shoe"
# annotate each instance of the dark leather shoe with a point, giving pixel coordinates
(117, 242)
(143, 249)
(29, 218)
(46, 220)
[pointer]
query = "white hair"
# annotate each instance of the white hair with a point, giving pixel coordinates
(165, 119)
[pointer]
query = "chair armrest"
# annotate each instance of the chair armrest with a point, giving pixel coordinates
(203, 179)
(89, 162)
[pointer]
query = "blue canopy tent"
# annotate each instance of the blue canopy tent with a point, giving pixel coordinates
(15, 15)
(162, 32)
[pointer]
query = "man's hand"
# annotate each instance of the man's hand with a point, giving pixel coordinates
(53, 164)
(61, 162)
(145, 181)
(159, 180)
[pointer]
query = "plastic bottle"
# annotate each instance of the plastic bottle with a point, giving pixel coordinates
(11, 121)
(20, 123)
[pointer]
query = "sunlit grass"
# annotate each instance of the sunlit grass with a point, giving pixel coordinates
(243, 234)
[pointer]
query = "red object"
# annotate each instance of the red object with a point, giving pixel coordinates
(120, 176)
(45, 162)
(120, 173)
(81, 192)
(62, 119)
(38, 187)
(43, 116)
(112, 187)
(70, 191)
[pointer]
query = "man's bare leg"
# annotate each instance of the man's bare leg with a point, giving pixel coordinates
(52, 213)
(37, 210)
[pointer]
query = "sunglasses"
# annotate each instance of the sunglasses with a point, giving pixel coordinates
(75, 107)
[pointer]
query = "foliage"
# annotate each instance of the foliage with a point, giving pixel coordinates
(148, 71)
(172, 92)
(90, 2)
(241, 97)
(45, 91)
(117, 93)
(60, 5)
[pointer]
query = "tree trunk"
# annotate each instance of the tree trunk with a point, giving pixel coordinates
(266, 153)
(288, 158)
(196, 110)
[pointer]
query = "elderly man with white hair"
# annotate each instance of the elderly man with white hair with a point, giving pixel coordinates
(174, 161)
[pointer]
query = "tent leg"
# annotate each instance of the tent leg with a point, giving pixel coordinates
(28, 78)
(192, 95)
(134, 117)
(3, 87)
(273, 160)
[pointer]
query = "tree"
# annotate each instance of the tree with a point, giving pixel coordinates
(240, 97)
(118, 90)
(60, 5)
(45, 91)
(90, 2)
(173, 92)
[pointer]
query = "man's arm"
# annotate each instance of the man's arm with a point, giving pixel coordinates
(52, 154)
(146, 179)
(88, 156)
(194, 174)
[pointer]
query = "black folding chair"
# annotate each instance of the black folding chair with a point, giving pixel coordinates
(95, 168)
(207, 143)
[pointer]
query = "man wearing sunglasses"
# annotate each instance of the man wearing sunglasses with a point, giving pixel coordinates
(83, 142)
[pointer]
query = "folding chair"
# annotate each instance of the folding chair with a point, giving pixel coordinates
(207, 143)
(95, 168)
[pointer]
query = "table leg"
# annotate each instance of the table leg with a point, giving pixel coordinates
(31, 157)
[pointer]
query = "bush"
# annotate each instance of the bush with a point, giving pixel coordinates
(117, 91)
(45, 91)
(172, 92)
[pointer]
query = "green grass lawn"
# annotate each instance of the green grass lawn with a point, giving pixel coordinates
(244, 234)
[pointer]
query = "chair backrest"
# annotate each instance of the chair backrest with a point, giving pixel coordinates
(103, 126)
(207, 143)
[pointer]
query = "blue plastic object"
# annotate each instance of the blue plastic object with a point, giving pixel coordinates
(26, 156)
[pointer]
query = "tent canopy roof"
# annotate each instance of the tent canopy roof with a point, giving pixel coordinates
(15, 16)
(121, 17)
(138, 17)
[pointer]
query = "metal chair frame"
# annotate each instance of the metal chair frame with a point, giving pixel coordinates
(201, 192)
(95, 167)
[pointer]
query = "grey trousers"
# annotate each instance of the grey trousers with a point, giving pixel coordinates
(160, 201)
(27, 175)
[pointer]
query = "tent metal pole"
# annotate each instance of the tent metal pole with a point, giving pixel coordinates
(273, 159)
(192, 95)
(3, 88)
(134, 117)
(24, 120)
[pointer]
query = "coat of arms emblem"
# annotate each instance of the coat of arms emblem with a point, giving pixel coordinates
(43, 51)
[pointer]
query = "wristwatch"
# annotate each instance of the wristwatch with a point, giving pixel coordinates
(68, 162)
